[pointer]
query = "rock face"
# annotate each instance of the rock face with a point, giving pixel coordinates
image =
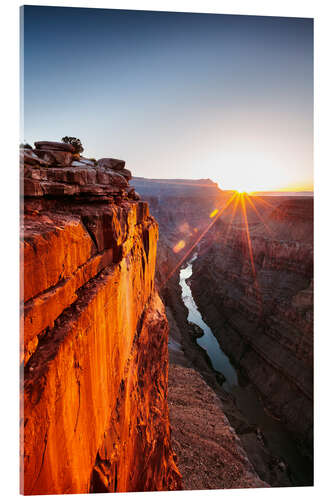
(54, 146)
(112, 163)
(182, 208)
(199, 424)
(53, 170)
(54, 157)
(222, 275)
(94, 339)
(265, 323)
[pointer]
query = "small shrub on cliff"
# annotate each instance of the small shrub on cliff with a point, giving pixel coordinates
(74, 142)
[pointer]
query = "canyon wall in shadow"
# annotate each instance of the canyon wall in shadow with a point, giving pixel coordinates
(262, 318)
(262, 314)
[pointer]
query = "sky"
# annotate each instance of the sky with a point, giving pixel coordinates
(175, 95)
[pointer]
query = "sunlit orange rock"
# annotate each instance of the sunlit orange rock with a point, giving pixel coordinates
(94, 350)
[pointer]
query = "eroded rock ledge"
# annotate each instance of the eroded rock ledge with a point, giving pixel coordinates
(198, 424)
(94, 332)
(52, 169)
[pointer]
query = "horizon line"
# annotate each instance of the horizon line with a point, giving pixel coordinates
(180, 180)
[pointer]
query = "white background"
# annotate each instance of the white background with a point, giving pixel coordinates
(9, 181)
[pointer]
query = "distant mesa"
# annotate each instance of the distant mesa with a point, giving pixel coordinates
(175, 187)
(282, 193)
(179, 182)
(56, 169)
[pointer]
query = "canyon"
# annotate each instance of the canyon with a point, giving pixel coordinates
(102, 410)
(260, 312)
(265, 321)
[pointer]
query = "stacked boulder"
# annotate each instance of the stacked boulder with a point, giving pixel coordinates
(54, 169)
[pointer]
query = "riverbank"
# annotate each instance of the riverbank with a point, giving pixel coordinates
(209, 453)
(270, 447)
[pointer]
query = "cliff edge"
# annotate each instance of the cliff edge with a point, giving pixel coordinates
(94, 332)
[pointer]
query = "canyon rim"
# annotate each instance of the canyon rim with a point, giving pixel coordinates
(166, 319)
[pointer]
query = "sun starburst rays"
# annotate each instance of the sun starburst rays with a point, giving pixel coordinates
(247, 232)
(197, 241)
(239, 204)
(248, 199)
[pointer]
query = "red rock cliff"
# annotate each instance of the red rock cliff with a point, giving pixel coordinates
(94, 336)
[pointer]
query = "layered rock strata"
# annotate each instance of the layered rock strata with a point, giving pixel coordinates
(94, 336)
(183, 210)
(52, 169)
(265, 321)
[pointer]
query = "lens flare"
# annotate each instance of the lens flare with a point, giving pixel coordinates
(198, 239)
(269, 230)
(248, 237)
(180, 245)
(235, 200)
(214, 212)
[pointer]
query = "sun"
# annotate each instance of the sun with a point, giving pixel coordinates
(243, 191)
(245, 187)
(241, 187)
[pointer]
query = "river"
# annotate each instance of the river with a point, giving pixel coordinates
(279, 441)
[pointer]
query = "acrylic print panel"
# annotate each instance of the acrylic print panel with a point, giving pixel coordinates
(167, 221)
